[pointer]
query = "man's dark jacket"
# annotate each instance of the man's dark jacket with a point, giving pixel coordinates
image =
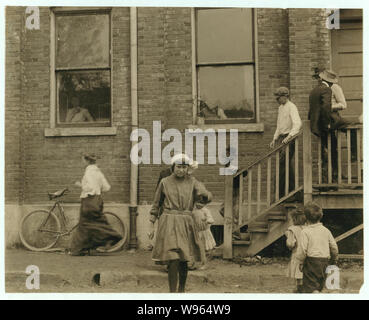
(320, 101)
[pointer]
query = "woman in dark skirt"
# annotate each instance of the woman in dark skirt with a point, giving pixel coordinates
(93, 230)
(177, 241)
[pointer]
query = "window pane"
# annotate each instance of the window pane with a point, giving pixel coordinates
(224, 35)
(83, 96)
(82, 41)
(227, 92)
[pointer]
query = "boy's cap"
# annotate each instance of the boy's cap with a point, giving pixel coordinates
(282, 91)
(90, 156)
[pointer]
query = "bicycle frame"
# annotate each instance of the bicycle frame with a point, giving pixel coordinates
(61, 217)
(57, 225)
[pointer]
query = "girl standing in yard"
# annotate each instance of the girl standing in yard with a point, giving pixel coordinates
(177, 240)
(93, 230)
(205, 235)
(293, 241)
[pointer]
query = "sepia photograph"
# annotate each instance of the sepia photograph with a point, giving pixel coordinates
(174, 149)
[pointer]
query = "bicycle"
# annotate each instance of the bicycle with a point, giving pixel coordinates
(41, 229)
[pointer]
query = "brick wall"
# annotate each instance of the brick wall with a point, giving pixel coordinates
(167, 68)
(309, 47)
(288, 51)
(151, 85)
(273, 73)
(13, 110)
(164, 78)
(53, 163)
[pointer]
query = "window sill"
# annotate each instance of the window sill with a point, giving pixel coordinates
(75, 132)
(243, 127)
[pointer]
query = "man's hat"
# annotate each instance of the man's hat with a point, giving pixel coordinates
(90, 156)
(329, 76)
(282, 91)
(317, 70)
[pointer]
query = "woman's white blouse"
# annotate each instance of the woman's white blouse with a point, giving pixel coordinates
(93, 182)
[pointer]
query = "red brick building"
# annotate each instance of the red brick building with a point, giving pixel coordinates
(87, 52)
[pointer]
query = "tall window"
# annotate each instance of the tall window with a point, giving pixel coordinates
(225, 65)
(82, 68)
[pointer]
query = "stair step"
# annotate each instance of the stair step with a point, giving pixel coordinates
(291, 205)
(258, 229)
(277, 217)
(241, 242)
(245, 236)
(258, 225)
(340, 193)
(277, 213)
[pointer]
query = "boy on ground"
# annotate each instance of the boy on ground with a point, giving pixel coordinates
(318, 249)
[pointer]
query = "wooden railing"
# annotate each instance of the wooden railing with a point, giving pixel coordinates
(253, 191)
(256, 189)
(347, 172)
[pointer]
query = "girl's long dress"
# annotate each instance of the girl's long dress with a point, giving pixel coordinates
(177, 237)
(206, 235)
(293, 241)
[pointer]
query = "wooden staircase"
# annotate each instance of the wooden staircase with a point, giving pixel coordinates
(248, 194)
(261, 233)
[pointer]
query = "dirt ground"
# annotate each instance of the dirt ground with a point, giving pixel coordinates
(136, 272)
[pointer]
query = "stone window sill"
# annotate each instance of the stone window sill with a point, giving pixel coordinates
(75, 132)
(244, 127)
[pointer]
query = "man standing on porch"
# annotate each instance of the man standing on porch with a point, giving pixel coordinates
(288, 125)
(324, 120)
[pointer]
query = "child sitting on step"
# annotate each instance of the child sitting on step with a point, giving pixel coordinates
(293, 241)
(318, 249)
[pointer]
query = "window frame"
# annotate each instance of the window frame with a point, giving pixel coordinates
(70, 129)
(244, 124)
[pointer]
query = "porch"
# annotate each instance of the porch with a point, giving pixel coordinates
(258, 206)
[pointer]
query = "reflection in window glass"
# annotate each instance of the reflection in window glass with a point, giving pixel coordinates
(224, 35)
(226, 92)
(82, 41)
(83, 96)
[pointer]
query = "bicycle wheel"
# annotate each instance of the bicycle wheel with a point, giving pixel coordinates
(117, 224)
(39, 230)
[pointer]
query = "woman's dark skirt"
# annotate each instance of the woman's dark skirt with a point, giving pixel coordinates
(93, 229)
(314, 275)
